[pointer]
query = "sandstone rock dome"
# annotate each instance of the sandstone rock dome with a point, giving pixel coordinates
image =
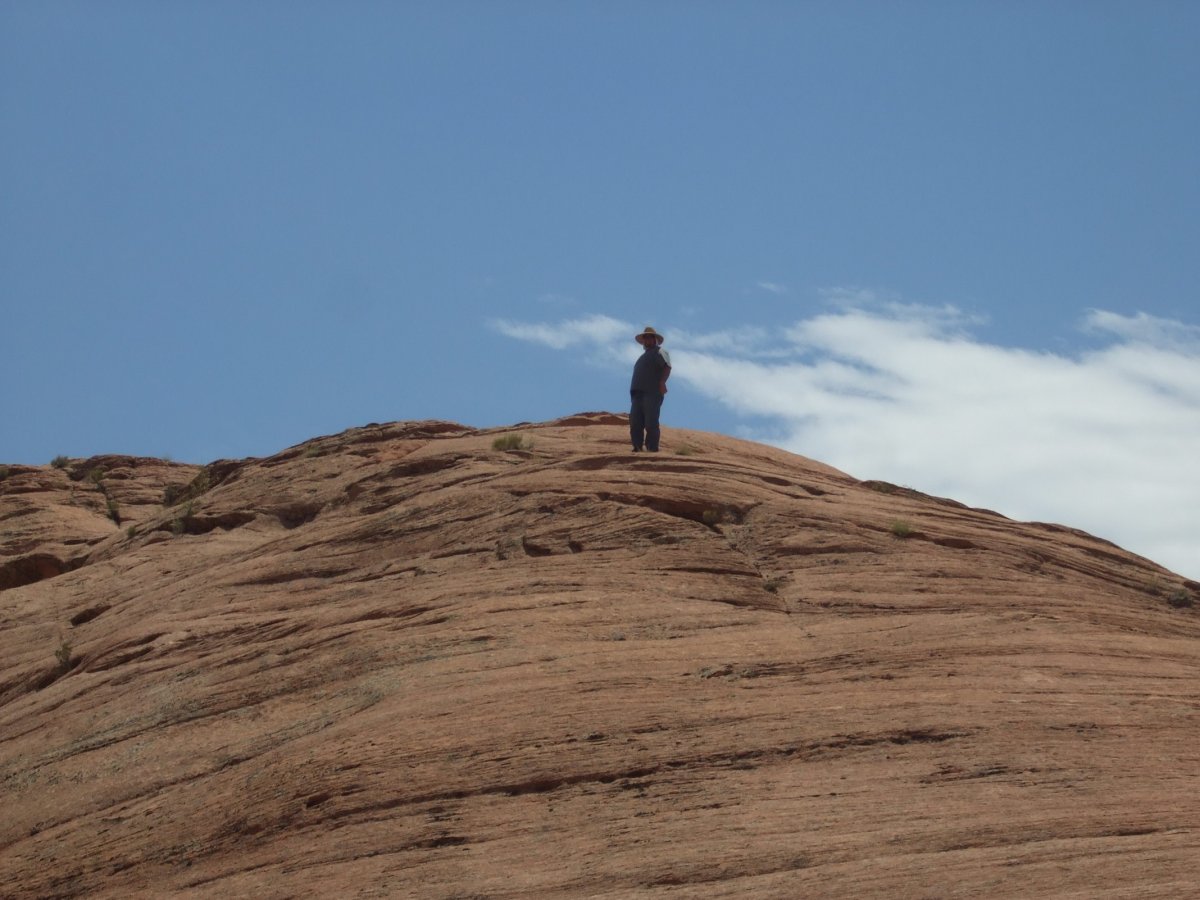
(419, 660)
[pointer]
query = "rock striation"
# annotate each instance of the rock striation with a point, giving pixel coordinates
(425, 660)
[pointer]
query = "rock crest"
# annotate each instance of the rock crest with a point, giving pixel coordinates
(402, 661)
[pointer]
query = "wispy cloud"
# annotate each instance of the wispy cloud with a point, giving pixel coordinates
(597, 330)
(772, 287)
(1145, 329)
(747, 340)
(1105, 439)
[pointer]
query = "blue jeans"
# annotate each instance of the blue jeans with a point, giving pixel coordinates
(643, 418)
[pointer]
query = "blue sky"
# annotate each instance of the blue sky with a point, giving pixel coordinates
(233, 226)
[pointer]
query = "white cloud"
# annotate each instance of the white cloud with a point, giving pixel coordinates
(1106, 440)
(597, 330)
(748, 340)
(1146, 329)
(772, 287)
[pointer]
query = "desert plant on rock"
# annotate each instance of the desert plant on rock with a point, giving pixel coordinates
(60, 462)
(901, 529)
(511, 442)
(1180, 599)
(63, 655)
(179, 523)
(174, 493)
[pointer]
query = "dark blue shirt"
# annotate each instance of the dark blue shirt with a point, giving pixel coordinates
(648, 370)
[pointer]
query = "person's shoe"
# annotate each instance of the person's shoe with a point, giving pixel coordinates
(637, 449)
(651, 449)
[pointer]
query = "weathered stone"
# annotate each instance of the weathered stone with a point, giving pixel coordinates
(400, 662)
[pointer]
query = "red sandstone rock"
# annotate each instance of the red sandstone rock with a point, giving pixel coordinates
(400, 662)
(51, 518)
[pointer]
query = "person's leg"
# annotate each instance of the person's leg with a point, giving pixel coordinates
(637, 421)
(653, 405)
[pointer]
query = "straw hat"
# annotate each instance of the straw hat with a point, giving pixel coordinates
(648, 333)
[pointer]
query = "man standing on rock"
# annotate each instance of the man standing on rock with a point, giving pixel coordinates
(647, 389)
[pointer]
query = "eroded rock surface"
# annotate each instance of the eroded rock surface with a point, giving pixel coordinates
(401, 662)
(52, 517)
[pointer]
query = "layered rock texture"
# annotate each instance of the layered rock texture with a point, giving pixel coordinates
(421, 660)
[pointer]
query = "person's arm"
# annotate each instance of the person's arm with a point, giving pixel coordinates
(666, 372)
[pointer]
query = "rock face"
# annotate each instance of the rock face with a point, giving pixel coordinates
(52, 517)
(404, 661)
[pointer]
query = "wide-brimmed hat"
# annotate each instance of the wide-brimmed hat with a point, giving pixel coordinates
(648, 333)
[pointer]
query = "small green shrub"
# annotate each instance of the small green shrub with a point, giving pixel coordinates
(1180, 599)
(179, 523)
(901, 529)
(772, 585)
(711, 516)
(96, 475)
(114, 511)
(4, 472)
(511, 442)
(686, 450)
(174, 493)
(131, 531)
(60, 462)
(63, 655)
